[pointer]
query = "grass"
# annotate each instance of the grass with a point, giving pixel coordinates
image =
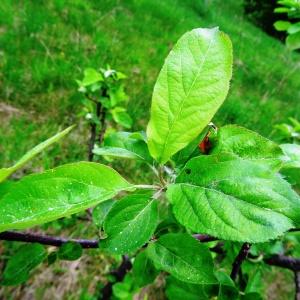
(45, 45)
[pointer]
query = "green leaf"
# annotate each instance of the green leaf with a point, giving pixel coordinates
(115, 152)
(143, 270)
(117, 95)
(291, 166)
(179, 290)
(191, 150)
(21, 263)
(60, 192)
(294, 28)
(6, 172)
(70, 251)
(282, 25)
(121, 117)
(281, 10)
(52, 258)
(293, 41)
(91, 76)
(126, 145)
(227, 289)
(130, 224)
(126, 289)
(183, 257)
(246, 144)
(100, 212)
(191, 86)
(5, 187)
(233, 199)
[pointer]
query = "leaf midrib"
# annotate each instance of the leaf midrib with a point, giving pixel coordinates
(186, 95)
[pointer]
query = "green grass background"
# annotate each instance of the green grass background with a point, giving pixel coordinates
(45, 45)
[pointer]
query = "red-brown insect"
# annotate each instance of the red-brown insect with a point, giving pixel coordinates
(205, 145)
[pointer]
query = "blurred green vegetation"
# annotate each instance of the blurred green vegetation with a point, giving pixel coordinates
(45, 45)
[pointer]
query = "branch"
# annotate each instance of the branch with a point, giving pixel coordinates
(93, 133)
(102, 117)
(119, 274)
(275, 260)
(297, 285)
(103, 125)
(282, 261)
(236, 266)
(45, 239)
(204, 238)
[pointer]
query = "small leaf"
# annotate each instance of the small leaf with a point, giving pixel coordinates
(233, 199)
(100, 212)
(281, 10)
(91, 76)
(294, 28)
(282, 25)
(291, 165)
(121, 117)
(143, 270)
(125, 144)
(293, 41)
(52, 258)
(115, 152)
(184, 257)
(60, 192)
(190, 88)
(21, 263)
(130, 224)
(117, 95)
(6, 172)
(70, 251)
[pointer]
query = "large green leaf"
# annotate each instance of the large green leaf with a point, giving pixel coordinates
(244, 143)
(184, 257)
(22, 262)
(57, 193)
(130, 223)
(6, 172)
(234, 199)
(191, 86)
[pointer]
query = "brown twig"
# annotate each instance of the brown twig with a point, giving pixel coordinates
(103, 125)
(93, 133)
(236, 266)
(119, 275)
(45, 239)
(297, 285)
